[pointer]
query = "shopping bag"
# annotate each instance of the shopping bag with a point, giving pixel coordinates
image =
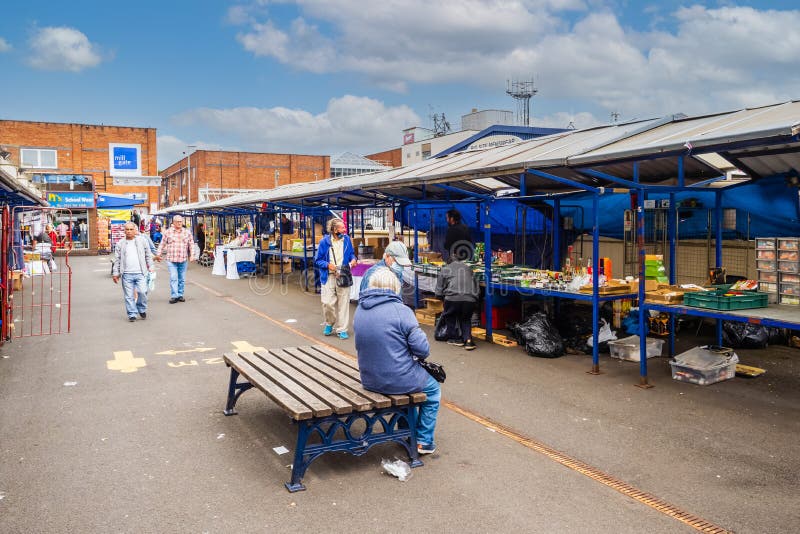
(151, 281)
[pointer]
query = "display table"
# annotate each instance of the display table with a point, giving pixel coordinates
(226, 258)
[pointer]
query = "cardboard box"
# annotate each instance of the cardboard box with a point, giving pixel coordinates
(434, 305)
(649, 285)
(667, 294)
(286, 243)
(430, 256)
(425, 317)
(274, 266)
(16, 280)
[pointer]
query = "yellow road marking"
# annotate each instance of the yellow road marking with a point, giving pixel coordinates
(125, 362)
(182, 364)
(576, 465)
(244, 346)
(173, 352)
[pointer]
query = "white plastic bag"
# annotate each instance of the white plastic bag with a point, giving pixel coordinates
(604, 334)
(151, 281)
(397, 468)
(195, 251)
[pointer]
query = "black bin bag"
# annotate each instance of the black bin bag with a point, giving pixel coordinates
(539, 337)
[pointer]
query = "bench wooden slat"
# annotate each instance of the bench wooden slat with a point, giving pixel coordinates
(357, 401)
(319, 408)
(276, 393)
(322, 392)
(397, 400)
(332, 370)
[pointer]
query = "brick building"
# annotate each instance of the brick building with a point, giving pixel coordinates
(78, 162)
(209, 174)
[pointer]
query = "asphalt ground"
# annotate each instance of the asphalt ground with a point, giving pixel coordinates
(89, 448)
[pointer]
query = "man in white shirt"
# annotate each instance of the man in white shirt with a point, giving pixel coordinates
(133, 260)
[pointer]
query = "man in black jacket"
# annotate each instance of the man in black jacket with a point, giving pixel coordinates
(458, 242)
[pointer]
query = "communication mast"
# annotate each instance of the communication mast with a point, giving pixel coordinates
(522, 91)
(440, 125)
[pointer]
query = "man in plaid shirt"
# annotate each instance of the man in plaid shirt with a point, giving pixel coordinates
(176, 244)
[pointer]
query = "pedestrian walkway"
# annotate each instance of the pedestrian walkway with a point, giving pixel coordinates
(118, 427)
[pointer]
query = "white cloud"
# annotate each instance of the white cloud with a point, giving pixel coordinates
(63, 48)
(4, 46)
(709, 59)
(349, 123)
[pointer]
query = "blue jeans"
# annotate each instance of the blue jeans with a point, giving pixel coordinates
(131, 282)
(428, 411)
(177, 277)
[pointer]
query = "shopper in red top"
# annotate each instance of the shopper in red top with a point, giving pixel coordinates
(176, 248)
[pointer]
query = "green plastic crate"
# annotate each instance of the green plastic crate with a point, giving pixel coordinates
(716, 300)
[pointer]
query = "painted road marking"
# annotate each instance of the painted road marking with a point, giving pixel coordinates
(244, 346)
(125, 362)
(173, 352)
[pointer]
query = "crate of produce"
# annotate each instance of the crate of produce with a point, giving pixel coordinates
(768, 287)
(766, 265)
(628, 348)
(789, 255)
(704, 365)
(765, 242)
(766, 254)
(788, 243)
(789, 266)
(792, 300)
(722, 300)
(789, 288)
(790, 278)
(767, 276)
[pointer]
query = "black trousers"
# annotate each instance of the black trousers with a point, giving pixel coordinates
(457, 316)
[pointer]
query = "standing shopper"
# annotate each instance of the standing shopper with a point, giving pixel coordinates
(176, 245)
(134, 261)
(335, 252)
(459, 288)
(201, 237)
(389, 342)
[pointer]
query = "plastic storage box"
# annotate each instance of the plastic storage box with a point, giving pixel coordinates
(704, 365)
(716, 300)
(788, 243)
(628, 348)
(765, 243)
(789, 266)
(766, 265)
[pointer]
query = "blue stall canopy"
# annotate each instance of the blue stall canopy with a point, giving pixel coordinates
(112, 201)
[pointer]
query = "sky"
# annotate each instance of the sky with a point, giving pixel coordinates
(328, 76)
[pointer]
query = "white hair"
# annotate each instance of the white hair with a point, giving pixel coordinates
(332, 224)
(384, 278)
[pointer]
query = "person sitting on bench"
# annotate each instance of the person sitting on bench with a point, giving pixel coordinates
(388, 342)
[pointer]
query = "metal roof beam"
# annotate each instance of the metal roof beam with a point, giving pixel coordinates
(565, 181)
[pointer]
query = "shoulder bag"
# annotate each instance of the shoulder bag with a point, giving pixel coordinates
(436, 370)
(344, 277)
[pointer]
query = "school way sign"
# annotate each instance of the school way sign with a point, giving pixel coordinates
(66, 199)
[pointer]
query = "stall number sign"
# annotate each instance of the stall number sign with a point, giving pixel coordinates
(125, 159)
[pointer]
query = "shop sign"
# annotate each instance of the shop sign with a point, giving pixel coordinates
(493, 141)
(138, 181)
(68, 199)
(125, 159)
(60, 178)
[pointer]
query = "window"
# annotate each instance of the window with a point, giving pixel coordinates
(38, 158)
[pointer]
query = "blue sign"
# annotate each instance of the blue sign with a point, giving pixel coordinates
(60, 178)
(126, 158)
(69, 199)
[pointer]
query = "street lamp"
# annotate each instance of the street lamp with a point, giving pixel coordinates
(277, 175)
(189, 172)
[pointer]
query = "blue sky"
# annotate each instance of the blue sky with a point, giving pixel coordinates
(325, 76)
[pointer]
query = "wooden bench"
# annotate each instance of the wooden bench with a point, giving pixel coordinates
(321, 392)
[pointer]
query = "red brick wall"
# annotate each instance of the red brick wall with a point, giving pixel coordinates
(82, 149)
(240, 170)
(392, 157)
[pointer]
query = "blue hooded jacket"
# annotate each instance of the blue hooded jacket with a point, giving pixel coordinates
(321, 259)
(388, 337)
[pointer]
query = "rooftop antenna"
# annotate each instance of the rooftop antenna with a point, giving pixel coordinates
(440, 125)
(615, 116)
(522, 91)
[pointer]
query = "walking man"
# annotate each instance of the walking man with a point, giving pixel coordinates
(134, 261)
(176, 246)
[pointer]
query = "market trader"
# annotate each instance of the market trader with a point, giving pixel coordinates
(334, 252)
(134, 261)
(458, 240)
(176, 244)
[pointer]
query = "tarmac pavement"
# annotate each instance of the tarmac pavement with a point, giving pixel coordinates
(139, 443)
